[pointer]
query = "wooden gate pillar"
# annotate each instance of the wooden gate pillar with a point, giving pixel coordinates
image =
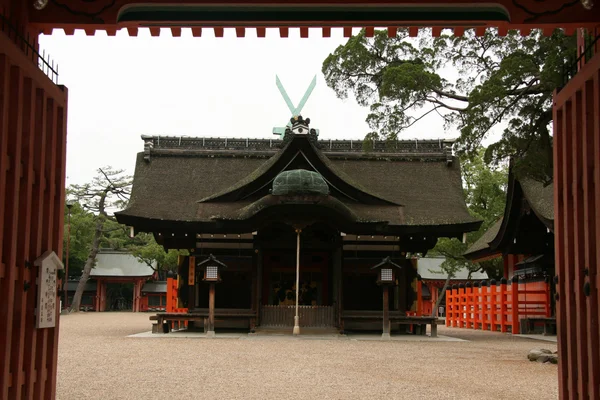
(576, 123)
(32, 192)
(386, 312)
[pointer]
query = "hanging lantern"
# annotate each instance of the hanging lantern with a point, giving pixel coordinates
(212, 269)
(386, 271)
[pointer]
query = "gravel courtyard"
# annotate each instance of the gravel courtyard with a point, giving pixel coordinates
(98, 361)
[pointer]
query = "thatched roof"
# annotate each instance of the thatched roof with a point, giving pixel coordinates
(482, 245)
(541, 199)
(521, 192)
(204, 180)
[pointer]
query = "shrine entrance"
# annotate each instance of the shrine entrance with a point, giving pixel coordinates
(315, 302)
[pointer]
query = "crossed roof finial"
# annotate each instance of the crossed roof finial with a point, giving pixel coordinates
(295, 110)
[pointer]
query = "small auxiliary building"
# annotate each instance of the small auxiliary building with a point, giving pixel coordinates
(263, 207)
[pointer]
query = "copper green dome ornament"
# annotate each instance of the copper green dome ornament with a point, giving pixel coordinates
(299, 181)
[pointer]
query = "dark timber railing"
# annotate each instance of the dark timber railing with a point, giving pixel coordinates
(30, 47)
(573, 64)
(310, 316)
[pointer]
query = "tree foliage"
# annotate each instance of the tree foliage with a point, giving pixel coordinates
(475, 84)
(108, 191)
(145, 248)
(485, 194)
(92, 227)
(78, 234)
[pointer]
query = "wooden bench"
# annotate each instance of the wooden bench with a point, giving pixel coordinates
(527, 325)
(419, 323)
(164, 320)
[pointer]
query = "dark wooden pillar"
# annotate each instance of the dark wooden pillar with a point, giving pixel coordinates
(337, 282)
(211, 310)
(386, 312)
(257, 285)
(191, 283)
(98, 294)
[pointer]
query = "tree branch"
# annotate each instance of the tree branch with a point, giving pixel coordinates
(450, 95)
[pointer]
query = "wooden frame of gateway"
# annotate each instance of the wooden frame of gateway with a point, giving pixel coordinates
(33, 116)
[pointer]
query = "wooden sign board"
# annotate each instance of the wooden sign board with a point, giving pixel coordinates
(47, 299)
(192, 271)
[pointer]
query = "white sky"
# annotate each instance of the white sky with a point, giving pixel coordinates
(122, 87)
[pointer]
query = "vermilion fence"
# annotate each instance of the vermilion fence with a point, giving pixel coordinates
(172, 306)
(491, 306)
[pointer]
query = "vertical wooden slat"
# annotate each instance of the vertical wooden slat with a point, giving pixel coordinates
(578, 243)
(49, 173)
(9, 243)
(558, 121)
(4, 266)
(589, 229)
(568, 246)
(4, 102)
(594, 267)
(23, 237)
(36, 238)
(60, 164)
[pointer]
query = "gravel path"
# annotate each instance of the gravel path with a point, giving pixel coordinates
(98, 361)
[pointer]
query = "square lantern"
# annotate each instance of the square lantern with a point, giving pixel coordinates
(386, 271)
(212, 269)
(211, 273)
(386, 275)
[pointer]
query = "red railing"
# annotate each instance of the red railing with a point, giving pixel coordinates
(172, 293)
(493, 307)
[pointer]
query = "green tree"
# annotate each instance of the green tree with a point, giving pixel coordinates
(475, 84)
(485, 194)
(108, 191)
(145, 248)
(81, 233)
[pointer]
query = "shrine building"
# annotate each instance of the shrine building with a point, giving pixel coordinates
(250, 202)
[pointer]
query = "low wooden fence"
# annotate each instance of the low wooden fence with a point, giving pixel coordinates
(172, 302)
(310, 316)
(490, 306)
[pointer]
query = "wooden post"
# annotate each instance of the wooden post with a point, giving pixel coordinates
(337, 281)
(503, 308)
(514, 301)
(297, 317)
(259, 282)
(135, 291)
(211, 311)
(98, 296)
(450, 292)
(485, 301)
(419, 296)
(476, 306)
(468, 305)
(547, 299)
(434, 329)
(386, 313)
(461, 305)
(191, 303)
(171, 294)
